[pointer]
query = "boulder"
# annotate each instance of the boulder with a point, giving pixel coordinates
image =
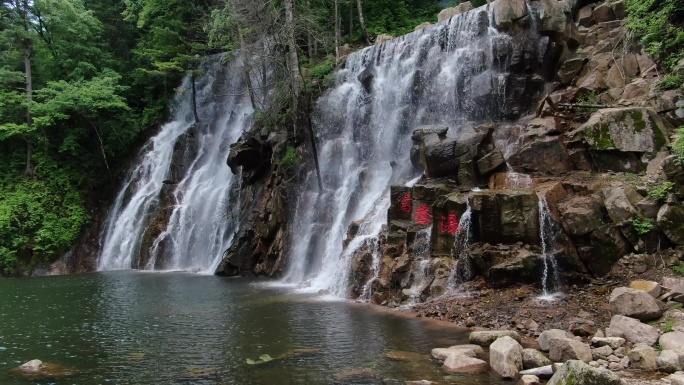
(476, 349)
(602, 352)
(581, 215)
(545, 336)
(628, 129)
(635, 303)
(506, 12)
(532, 358)
(529, 379)
(570, 69)
(541, 372)
(650, 287)
(556, 18)
(669, 361)
(546, 154)
(643, 357)
(563, 349)
(585, 16)
(383, 38)
(676, 379)
(422, 26)
(505, 357)
(506, 216)
(490, 162)
(459, 363)
(520, 268)
(486, 338)
(577, 372)
(612, 342)
(673, 341)
(619, 202)
(632, 330)
(582, 327)
(604, 13)
(448, 13)
(670, 219)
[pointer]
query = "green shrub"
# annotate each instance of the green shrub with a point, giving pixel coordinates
(671, 82)
(643, 225)
(290, 158)
(658, 25)
(679, 268)
(678, 145)
(661, 190)
(322, 70)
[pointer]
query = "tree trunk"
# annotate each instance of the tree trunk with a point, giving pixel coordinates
(337, 31)
(293, 61)
(247, 69)
(351, 19)
(362, 22)
(28, 52)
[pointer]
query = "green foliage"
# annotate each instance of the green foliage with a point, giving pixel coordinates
(39, 218)
(290, 158)
(588, 98)
(661, 190)
(643, 225)
(398, 17)
(678, 145)
(668, 326)
(671, 82)
(659, 25)
(322, 70)
(679, 268)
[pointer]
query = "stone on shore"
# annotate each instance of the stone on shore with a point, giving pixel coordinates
(505, 357)
(577, 372)
(486, 338)
(651, 287)
(443, 353)
(635, 303)
(459, 363)
(673, 341)
(669, 361)
(541, 372)
(545, 336)
(564, 349)
(529, 379)
(643, 357)
(532, 358)
(613, 342)
(632, 330)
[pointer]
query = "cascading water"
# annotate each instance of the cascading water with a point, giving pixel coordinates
(449, 73)
(173, 210)
(547, 230)
(421, 279)
(462, 265)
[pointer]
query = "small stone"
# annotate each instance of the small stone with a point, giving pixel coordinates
(633, 330)
(505, 357)
(601, 352)
(529, 379)
(673, 341)
(458, 363)
(486, 338)
(669, 361)
(564, 349)
(651, 287)
(577, 372)
(532, 358)
(612, 342)
(643, 357)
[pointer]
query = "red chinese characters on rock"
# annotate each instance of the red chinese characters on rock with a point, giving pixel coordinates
(405, 203)
(449, 224)
(423, 215)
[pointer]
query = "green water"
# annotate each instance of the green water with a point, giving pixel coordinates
(148, 328)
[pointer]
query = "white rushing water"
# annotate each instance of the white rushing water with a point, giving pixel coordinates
(448, 73)
(189, 160)
(462, 263)
(550, 279)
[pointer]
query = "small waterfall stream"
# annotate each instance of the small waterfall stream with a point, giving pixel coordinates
(462, 264)
(449, 73)
(547, 229)
(173, 211)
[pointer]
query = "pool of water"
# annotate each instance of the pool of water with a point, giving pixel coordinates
(175, 328)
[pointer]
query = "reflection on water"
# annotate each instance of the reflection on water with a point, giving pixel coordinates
(150, 328)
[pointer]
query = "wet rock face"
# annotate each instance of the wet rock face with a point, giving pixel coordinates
(506, 216)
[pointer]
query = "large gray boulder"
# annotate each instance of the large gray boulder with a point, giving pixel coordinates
(459, 363)
(532, 358)
(546, 335)
(670, 219)
(448, 13)
(505, 357)
(629, 129)
(669, 361)
(564, 349)
(581, 214)
(577, 372)
(486, 338)
(632, 330)
(635, 303)
(508, 11)
(643, 357)
(620, 201)
(673, 341)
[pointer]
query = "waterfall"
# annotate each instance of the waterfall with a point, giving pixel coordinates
(448, 73)
(367, 290)
(173, 211)
(462, 264)
(547, 230)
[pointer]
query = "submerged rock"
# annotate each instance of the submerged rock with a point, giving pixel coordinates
(38, 368)
(459, 363)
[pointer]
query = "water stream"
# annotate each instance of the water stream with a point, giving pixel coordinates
(462, 264)
(448, 73)
(173, 211)
(550, 279)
